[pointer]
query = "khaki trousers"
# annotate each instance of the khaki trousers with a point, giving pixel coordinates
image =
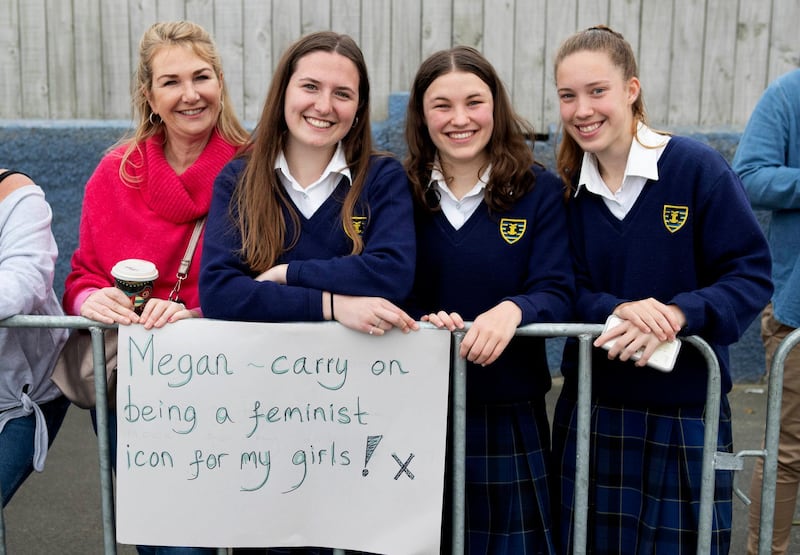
(772, 333)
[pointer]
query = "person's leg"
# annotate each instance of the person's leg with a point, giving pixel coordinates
(112, 434)
(788, 478)
(16, 454)
(16, 445)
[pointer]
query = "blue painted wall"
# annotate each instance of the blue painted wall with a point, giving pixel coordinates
(61, 155)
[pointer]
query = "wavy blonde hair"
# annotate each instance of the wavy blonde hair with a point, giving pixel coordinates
(157, 36)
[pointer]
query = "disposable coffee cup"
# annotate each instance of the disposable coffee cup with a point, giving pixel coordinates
(135, 278)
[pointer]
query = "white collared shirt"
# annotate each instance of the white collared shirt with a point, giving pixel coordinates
(458, 211)
(642, 165)
(309, 199)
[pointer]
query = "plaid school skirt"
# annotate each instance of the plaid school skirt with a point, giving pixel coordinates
(644, 480)
(506, 468)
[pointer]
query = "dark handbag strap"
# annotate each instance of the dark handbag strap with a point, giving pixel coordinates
(186, 261)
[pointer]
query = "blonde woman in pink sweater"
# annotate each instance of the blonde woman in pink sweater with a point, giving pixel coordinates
(144, 197)
(147, 193)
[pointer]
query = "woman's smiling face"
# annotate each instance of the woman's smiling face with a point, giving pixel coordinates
(185, 93)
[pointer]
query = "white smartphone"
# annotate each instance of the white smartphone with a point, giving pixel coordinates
(663, 358)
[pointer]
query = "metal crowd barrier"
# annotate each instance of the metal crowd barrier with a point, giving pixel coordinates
(712, 460)
(585, 333)
(770, 452)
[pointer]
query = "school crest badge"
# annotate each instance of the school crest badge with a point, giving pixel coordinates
(675, 217)
(512, 229)
(359, 223)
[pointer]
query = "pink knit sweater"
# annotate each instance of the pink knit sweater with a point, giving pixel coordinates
(151, 219)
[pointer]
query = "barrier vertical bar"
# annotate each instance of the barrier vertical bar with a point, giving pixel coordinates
(459, 405)
(771, 441)
(103, 444)
(711, 423)
(2, 528)
(581, 494)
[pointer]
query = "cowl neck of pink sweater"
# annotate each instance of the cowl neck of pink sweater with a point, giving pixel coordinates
(185, 197)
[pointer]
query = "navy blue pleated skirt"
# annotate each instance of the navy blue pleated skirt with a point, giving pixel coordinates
(645, 479)
(508, 504)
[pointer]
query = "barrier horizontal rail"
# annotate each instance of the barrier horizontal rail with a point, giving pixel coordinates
(583, 332)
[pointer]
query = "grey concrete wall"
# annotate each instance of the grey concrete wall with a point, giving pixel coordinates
(61, 155)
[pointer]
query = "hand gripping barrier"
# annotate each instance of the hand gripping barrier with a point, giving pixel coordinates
(585, 334)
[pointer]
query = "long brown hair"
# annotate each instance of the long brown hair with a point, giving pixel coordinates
(174, 33)
(510, 155)
(258, 195)
(599, 38)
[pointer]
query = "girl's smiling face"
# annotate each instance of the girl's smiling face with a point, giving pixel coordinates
(596, 103)
(458, 108)
(321, 100)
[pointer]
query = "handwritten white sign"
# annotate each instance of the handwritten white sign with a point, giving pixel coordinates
(237, 434)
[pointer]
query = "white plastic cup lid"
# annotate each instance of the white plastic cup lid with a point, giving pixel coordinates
(135, 269)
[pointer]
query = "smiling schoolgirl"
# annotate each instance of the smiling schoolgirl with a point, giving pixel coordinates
(663, 237)
(492, 249)
(311, 224)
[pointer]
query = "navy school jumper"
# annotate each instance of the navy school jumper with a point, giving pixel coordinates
(691, 239)
(520, 255)
(320, 260)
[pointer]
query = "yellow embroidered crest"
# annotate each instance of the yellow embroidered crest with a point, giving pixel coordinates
(675, 217)
(359, 223)
(512, 229)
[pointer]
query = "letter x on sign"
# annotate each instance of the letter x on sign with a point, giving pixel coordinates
(403, 466)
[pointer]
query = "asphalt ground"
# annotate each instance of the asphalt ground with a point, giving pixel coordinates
(58, 511)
